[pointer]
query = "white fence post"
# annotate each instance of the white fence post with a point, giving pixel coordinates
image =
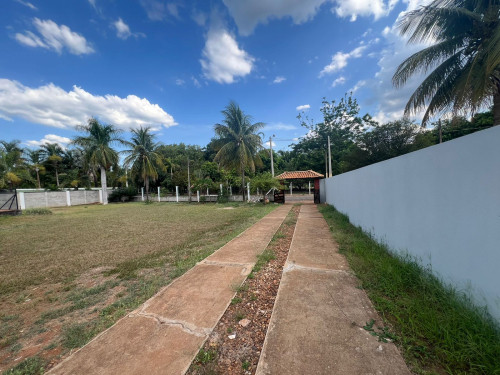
(248, 188)
(309, 187)
(177, 193)
(22, 202)
(100, 196)
(158, 194)
(221, 189)
(142, 193)
(230, 190)
(68, 198)
(291, 191)
(198, 195)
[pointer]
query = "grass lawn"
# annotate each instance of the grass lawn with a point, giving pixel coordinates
(437, 328)
(67, 276)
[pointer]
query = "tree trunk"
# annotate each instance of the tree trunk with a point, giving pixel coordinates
(496, 108)
(38, 179)
(57, 178)
(147, 189)
(243, 181)
(104, 186)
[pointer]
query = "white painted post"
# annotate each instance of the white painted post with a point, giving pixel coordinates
(159, 194)
(221, 189)
(207, 191)
(177, 193)
(198, 195)
(142, 193)
(22, 202)
(100, 196)
(68, 198)
(291, 191)
(309, 187)
(230, 190)
(258, 191)
(248, 188)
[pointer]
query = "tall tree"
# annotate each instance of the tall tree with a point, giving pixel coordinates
(34, 159)
(97, 148)
(464, 59)
(143, 157)
(238, 141)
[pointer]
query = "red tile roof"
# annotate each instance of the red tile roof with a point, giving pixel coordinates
(299, 174)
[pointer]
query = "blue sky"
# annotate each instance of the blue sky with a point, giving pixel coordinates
(175, 65)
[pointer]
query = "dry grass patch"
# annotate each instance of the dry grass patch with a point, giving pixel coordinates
(68, 276)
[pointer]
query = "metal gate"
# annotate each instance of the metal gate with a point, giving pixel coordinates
(8, 201)
(279, 196)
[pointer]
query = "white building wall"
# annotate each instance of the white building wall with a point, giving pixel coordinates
(441, 204)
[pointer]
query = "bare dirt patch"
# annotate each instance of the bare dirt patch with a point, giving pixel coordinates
(235, 345)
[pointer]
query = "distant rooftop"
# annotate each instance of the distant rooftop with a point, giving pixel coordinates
(298, 175)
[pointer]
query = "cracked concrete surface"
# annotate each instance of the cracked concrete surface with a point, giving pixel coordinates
(317, 320)
(164, 335)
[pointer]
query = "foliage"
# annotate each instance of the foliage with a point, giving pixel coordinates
(464, 57)
(265, 182)
(37, 211)
(143, 156)
(436, 325)
(30, 366)
(223, 196)
(238, 141)
(118, 194)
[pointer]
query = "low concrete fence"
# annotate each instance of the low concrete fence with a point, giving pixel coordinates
(195, 198)
(58, 198)
(441, 204)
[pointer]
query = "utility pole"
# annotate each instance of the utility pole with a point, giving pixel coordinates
(272, 161)
(189, 184)
(440, 130)
(329, 158)
(326, 164)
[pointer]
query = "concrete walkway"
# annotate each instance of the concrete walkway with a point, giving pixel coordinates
(316, 326)
(164, 335)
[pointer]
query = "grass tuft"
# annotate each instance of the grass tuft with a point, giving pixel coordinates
(437, 327)
(37, 211)
(30, 366)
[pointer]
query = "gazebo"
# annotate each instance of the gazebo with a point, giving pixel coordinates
(302, 175)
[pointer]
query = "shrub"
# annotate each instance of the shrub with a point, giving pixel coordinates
(223, 196)
(37, 211)
(118, 194)
(30, 366)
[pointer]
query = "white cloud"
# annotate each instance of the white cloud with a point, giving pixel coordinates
(366, 33)
(355, 8)
(266, 144)
(339, 81)
(339, 60)
(248, 14)
(51, 138)
(279, 79)
(122, 29)
(199, 17)
(179, 82)
(55, 37)
(223, 61)
(28, 4)
(280, 126)
(52, 106)
(158, 10)
(304, 107)
(196, 82)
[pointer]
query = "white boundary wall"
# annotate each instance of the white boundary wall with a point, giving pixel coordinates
(441, 204)
(57, 198)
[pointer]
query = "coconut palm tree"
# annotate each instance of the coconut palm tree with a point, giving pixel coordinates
(238, 141)
(463, 61)
(34, 159)
(143, 157)
(97, 150)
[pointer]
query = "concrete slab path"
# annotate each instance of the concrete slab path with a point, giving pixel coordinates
(164, 335)
(317, 320)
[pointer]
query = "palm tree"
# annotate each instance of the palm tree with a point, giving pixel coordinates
(97, 150)
(35, 163)
(52, 153)
(464, 59)
(238, 141)
(11, 146)
(143, 156)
